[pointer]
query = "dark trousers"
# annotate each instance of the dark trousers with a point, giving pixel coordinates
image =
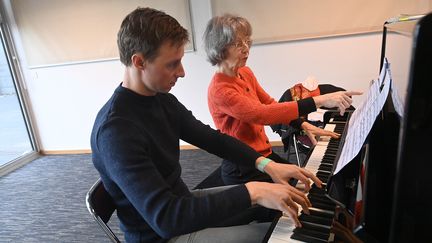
(233, 174)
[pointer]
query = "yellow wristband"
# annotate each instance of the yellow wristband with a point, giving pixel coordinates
(263, 164)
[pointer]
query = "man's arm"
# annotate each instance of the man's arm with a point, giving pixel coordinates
(126, 156)
(213, 141)
(203, 136)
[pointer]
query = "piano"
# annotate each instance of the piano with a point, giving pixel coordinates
(383, 194)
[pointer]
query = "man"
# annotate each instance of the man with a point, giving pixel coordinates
(135, 144)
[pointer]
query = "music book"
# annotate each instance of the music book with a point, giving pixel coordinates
(363, 118)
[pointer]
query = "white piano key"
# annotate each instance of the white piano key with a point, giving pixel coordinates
(283, 231)
(285, 226)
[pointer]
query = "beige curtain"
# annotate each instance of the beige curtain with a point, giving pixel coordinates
(65, 31)
(280, 20)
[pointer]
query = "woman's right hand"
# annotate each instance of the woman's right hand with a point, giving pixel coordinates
(340, 100)
(280, 197)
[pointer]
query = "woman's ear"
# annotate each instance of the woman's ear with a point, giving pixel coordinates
(138, 61)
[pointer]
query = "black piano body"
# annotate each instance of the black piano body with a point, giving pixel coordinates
(395, 161)
(398, 162)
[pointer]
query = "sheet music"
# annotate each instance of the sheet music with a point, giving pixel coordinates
(363, 118)
(397, 101)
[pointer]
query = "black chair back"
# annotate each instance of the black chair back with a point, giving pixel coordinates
(101, 206)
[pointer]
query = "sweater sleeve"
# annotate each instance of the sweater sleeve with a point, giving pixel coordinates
(233, 103)
(305, 106)
(128, 161)
(213, 141)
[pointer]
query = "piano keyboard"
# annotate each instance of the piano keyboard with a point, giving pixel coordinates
(316, 226)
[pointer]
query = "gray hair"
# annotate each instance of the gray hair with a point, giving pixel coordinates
(221, 32)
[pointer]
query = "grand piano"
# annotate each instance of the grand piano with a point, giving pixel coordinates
(383, 194)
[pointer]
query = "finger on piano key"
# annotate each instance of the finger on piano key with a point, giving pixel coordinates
(283, 231)
(324, 138)
(302, 187)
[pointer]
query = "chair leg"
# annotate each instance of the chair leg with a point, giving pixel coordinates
(296, 150)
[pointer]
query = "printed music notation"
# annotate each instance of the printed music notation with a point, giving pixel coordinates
(364, 116)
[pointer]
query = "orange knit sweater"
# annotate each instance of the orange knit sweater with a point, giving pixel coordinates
(240, 108)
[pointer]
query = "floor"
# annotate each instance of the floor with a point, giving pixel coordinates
(44, 201)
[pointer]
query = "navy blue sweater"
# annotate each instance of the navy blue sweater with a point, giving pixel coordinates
(135, 144)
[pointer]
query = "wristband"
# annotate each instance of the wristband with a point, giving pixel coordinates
(263, 164)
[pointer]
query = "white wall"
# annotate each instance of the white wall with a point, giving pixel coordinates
(65, 99)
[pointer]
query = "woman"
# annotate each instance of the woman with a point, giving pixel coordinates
(239, 105)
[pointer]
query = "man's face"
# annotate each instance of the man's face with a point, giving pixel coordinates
(161, 74)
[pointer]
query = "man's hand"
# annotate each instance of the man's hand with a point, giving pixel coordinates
(282, 173)
(313, 131)
(341, 100)
(280, 197)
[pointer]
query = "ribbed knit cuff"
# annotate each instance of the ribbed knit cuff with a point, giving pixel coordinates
(306, 106)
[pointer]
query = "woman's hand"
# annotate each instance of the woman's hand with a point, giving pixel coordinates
(340, 100)
(312, 132)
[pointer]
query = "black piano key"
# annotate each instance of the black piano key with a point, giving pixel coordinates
(329, 156)
(311, 233)
(316, 219)
(319, 197)
(323, 204)
(321, 200)
(323, 178)
(328, 160)
(306, 238)
(333, 146)
(327, 164)
(321, 213)
(325, 229)
(317, 192)
(331, 150)
(315, 189)
(325, 167)
(322, 173)
(330, 207)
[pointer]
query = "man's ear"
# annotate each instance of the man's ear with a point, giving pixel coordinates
(138, 61)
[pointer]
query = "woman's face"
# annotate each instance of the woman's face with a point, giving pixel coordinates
(238, 52)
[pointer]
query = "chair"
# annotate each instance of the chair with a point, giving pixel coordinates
(291, 136)
(101, 206)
